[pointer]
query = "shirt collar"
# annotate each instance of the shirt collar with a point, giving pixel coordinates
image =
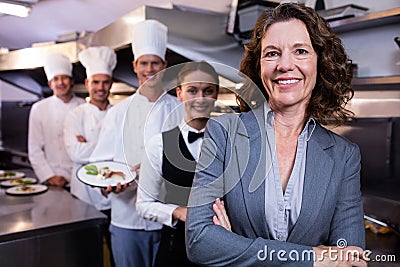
(94, 107)
(60, 100)
(310, 126)
(185, 128)
(143, 98)
(269, 115)
(269, 121)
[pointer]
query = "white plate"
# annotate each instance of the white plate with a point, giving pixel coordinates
(94, 180)
(18, 181)
(7, 175)
(33, 190)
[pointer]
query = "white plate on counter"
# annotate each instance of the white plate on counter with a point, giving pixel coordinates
(120, 173)
(26, 190)
(19, 181)
(7, 175)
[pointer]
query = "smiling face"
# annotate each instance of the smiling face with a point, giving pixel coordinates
(146, 66)
(99, 86)
(288, 65)
(198, 92)
(61, 85)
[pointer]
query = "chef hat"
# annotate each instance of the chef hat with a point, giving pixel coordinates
(98, 60)
(57, 64)
(149, 37)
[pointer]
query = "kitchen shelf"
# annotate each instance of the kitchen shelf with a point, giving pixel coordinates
(381, 83)
(381, 18)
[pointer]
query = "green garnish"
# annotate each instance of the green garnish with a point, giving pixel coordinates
(91, 169)
(8, 174)
(26, 182)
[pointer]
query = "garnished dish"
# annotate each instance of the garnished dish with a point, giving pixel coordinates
(105, 173)
(6, 175)
(18, 181)
(25, 190)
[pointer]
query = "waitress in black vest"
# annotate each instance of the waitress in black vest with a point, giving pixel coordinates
(167, 169)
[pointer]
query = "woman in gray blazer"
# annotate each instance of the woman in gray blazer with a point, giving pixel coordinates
(290, 188)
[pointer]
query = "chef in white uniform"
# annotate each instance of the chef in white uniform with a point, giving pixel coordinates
(82, 125)
(46, 150)
(135, 240)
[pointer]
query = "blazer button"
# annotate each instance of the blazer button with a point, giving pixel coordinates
(281, 237)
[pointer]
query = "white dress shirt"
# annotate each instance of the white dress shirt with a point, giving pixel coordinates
(85, 120)
(150, 200)
(124, 142)
(46, 150)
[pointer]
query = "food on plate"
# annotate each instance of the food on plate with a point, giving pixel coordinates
(103, 172)
(26, 188)
(7, 174)
(22, 181)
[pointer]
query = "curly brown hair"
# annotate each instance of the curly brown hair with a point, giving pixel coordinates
(332, 90)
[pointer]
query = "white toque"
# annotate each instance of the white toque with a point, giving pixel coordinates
(98, 60)
(57, 64)
(149, 37)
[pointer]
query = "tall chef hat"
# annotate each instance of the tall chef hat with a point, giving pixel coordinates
(149, 37)
(57, 64)
(98, 60)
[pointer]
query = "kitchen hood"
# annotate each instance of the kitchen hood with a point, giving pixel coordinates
(192, 35)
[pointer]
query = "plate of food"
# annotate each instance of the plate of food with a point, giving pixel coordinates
(105, 173)
(26, 190)
(19, 181)
(7, 175)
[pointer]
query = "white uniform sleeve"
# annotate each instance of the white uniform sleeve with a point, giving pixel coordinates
(79, 152)
(149, 199)
(36, 145)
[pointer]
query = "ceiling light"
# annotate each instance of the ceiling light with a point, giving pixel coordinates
(14, 8)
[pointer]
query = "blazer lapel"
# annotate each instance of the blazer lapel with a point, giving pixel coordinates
(319, 166)
(251, 157)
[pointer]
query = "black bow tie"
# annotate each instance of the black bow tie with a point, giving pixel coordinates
(192, 136)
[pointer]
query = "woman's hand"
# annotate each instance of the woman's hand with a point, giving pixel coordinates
(180, 214)
(221, 217)
(339, 257)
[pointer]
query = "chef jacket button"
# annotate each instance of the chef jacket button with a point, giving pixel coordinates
(281, 207)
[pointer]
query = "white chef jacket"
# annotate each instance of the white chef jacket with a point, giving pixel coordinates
(150, 197)
(85, 120)
(46, 150)
(110, 146)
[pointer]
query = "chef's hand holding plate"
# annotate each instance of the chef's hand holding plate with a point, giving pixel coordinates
(121, 188)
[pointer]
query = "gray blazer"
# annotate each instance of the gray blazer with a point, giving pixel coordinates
(231, 166)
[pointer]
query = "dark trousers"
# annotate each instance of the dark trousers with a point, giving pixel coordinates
(172, 251)
(107, 235)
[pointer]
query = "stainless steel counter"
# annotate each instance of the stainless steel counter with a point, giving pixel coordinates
(49, 229)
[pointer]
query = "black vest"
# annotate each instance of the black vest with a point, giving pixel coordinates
(178, 167)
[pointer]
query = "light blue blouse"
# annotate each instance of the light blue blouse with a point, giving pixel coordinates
(283, 208)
